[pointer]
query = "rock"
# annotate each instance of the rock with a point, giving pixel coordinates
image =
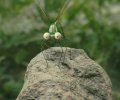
(66, 74)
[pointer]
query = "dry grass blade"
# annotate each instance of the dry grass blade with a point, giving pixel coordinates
(43, 12)
(63, 9)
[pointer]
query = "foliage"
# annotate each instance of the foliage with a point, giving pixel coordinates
(91, 25)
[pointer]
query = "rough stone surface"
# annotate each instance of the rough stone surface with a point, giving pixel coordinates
(68, 74)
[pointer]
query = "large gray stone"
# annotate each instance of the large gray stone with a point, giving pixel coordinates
(66, 74)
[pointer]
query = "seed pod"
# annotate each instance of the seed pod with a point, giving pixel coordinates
(46, 36)
(53, 28)
(58, 35)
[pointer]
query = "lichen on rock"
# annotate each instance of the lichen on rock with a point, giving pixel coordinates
(61, 73)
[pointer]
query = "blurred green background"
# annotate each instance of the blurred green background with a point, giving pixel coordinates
(93, 25)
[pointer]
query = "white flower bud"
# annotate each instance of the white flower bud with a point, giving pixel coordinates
(46, 36)
(58, 35)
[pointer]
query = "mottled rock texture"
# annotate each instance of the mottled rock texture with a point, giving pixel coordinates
(66, 74)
